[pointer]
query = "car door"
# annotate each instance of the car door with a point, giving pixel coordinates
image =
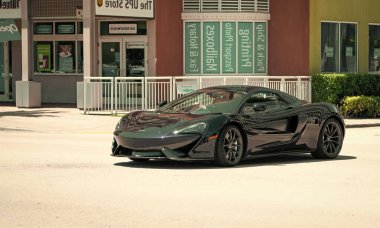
(270, 122)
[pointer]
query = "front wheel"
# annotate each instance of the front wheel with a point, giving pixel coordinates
(229, 148)
(330, 140)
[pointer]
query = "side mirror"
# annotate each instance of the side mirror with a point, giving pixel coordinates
(162, 103)
(259, 107)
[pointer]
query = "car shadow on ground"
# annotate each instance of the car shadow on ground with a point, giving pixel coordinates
(280, 160)
(30, 113)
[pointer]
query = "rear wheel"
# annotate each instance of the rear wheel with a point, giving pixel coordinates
(229, 147)
(330, 140)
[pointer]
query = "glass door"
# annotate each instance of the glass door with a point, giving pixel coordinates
(5, 74)
(135, 59)
(123, 57)
(110, 59)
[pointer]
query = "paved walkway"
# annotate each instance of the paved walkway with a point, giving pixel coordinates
(72, 120)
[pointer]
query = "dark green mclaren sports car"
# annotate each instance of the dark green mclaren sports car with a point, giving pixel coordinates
(229, 123)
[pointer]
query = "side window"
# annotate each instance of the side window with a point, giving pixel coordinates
(263, 101)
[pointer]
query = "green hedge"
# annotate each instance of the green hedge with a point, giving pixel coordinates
(334, 87)
(361, 106)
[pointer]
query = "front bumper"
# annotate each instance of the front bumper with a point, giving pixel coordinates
(179, 147)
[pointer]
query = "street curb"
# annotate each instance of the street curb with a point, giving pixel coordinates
(362, 125)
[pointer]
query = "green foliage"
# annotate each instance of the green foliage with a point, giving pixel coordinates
(361, 106)
(334, 87)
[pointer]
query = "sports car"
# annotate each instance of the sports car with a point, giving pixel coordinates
(229, 123)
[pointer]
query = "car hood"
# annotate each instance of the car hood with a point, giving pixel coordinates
(151, 124)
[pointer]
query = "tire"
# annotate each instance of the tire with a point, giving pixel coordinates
(114, 149)
(330, 140)
(229, 148)
(139, 159)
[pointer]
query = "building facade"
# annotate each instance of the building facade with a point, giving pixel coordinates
(47, 47)
(344, 36)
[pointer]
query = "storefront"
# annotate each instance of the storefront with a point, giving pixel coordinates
(74, 39)
(123, 48)
(122, 31)
(9, 48)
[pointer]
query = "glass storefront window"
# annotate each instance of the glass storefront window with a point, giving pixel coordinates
(80, 56)
(2, 69)
(348, 63)
(374, 48)
(65, 56)
(57, 48)
(80, 28)
(339, 47)
(329, 47)
(43, 58)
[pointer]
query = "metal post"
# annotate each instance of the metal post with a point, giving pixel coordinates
(282, 85)
(144, 99)
(112, 86)
(310, 98)
(299, 88)
(84, 95)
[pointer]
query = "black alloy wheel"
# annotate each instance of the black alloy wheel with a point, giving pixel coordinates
(330, 140)
(229, 147)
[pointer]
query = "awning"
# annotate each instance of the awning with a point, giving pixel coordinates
(9, 30)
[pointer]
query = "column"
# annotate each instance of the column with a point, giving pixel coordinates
(28, 92)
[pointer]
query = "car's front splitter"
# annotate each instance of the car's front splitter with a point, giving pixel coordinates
(184, 148)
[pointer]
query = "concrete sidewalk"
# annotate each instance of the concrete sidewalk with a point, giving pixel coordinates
(55, 120)
(72, 120)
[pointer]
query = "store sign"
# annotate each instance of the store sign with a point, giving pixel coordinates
(44, 29)
(211, 47)
(66, 29)
(376, 52)
(192, 47)
(125, 8)
(245, 47)
(9, 31)
(185, 88)
(66, 60)
(225, 47)
(10, 9)
(43, 57)
(329, 52)
(229, 47)
(260, 47)
(135, 45)
(122, 29)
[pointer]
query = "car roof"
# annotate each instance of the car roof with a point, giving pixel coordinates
(248, 89)
(245, 88)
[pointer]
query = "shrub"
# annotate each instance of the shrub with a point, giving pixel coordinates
(334, 87)
(361, 106)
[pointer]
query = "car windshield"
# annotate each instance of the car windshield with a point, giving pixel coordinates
(206, 101)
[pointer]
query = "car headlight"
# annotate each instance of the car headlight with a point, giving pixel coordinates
(122, 122)
(197, 128)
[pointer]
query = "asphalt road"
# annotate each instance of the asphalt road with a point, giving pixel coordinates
(63, 179)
